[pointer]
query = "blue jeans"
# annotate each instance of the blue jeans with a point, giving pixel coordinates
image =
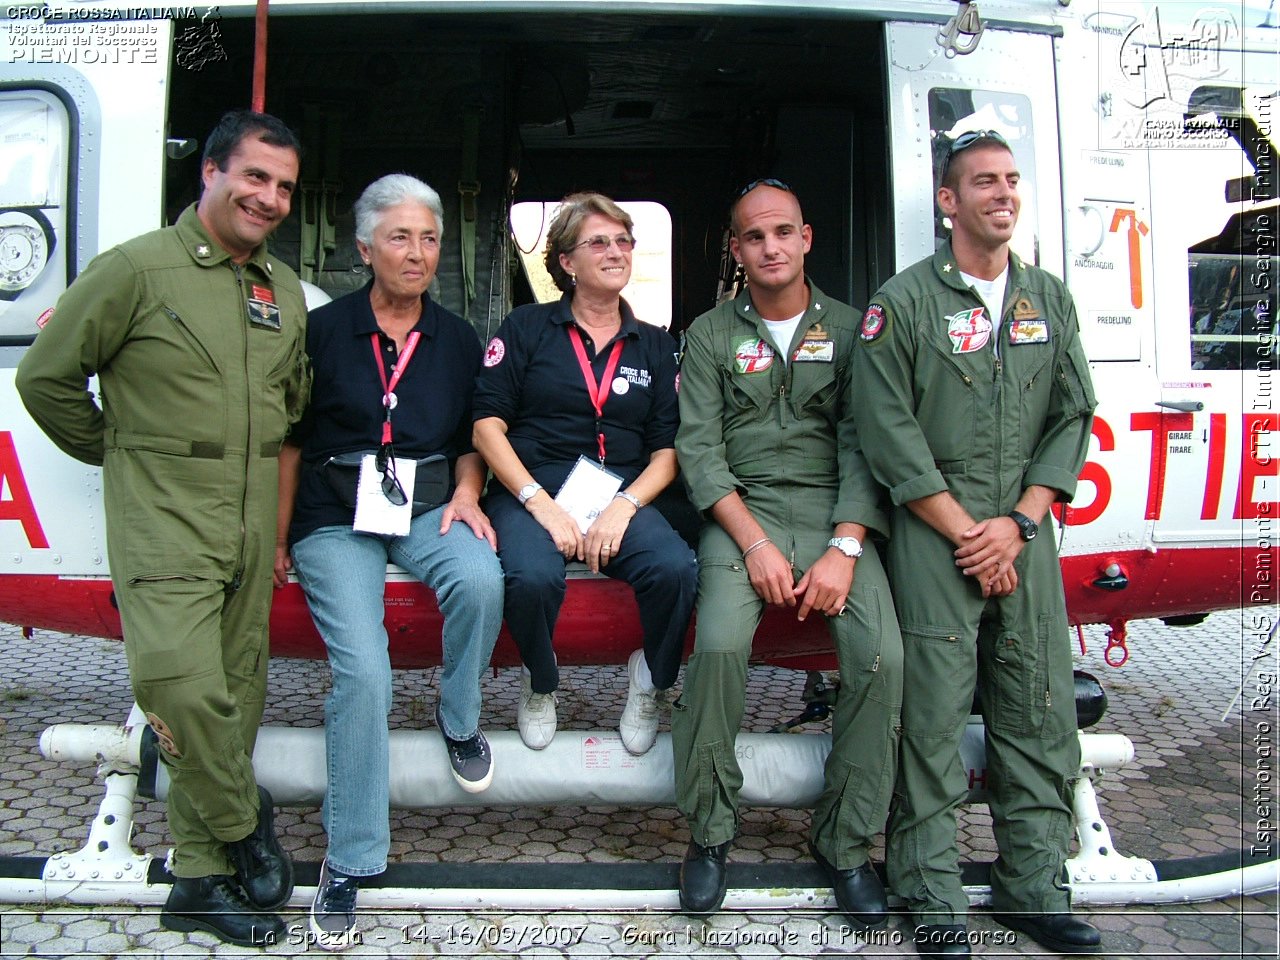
(342, 573)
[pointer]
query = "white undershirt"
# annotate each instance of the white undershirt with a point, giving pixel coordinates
(782, 331)
(991, 292)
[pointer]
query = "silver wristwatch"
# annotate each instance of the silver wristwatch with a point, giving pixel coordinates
(851, 547)
(528, 492)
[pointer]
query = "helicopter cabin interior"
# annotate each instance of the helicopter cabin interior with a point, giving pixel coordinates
(505, 115)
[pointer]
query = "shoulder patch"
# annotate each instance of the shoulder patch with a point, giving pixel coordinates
(494, 352)
(874, 323)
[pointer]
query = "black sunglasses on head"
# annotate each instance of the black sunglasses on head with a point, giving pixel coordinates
(967, 140)
(763, 182)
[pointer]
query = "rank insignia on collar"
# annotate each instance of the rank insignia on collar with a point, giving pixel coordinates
(946, 268)
(202, 250)
(1024, 309)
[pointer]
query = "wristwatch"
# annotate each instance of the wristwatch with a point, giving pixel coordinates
(851, 547)
(528, 492)
(1027, 527)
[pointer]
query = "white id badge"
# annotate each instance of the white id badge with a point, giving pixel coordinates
(587, 491)
(374, 512)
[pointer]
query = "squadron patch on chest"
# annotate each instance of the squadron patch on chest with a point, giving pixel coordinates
(494, 352)
(969, 330)
(752, 356)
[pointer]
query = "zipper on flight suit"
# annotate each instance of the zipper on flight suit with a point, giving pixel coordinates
(997, 382)
(238, 577)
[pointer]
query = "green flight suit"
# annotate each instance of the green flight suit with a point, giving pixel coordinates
(943, 411)
(781, 435)
(199, 380)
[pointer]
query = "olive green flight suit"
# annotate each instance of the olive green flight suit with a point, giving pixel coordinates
(942, 410)
(781, 436)
(196, 400)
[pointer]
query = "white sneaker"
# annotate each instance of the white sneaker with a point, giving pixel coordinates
(639, 723)
(536, 715)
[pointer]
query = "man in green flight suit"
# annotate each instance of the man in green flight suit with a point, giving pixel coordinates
(196, 335)
(976, 416)
(768, 446)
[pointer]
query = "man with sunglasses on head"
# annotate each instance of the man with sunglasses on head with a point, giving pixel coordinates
(770, 450)
(196, 334)
(977, 414)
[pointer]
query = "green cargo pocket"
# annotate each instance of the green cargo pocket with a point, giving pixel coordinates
(862, 654)
(1056, 681)
(934, 705)
(1009, 696)
(1074, 385)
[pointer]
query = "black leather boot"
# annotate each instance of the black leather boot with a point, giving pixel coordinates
(263, 869)
(859, 892)
(942, 940)
(1060, 932)
(702, 877)
(216, 905)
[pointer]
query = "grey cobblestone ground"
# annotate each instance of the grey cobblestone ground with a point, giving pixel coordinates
(1184, 699)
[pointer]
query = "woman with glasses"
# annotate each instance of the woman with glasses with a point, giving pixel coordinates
(575, 413)
(384, 471)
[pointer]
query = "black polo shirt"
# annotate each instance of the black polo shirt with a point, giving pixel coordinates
(531, 380)
(433, 409)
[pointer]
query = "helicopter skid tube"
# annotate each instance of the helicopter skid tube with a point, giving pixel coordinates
(780, 770)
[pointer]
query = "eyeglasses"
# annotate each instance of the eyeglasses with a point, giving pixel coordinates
(391, 489)
(967, 140)
(763, 182)
(623, 242)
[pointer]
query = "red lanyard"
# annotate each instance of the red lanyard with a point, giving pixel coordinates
(388, 395)
(598, 392)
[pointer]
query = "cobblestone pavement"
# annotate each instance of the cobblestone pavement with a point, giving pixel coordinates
(1185, 699)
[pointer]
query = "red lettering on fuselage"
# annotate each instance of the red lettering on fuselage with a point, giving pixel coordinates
(1258, 459)
(1160, 425)
(1096, 474)
(1217, 461)
(19, 505)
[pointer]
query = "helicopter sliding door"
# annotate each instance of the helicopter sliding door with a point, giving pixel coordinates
(82, 147)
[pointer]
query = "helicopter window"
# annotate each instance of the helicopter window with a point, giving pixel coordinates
(1233, 309)
(955, 110)
(1232, 277)
(649, 291)
(34, 170)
